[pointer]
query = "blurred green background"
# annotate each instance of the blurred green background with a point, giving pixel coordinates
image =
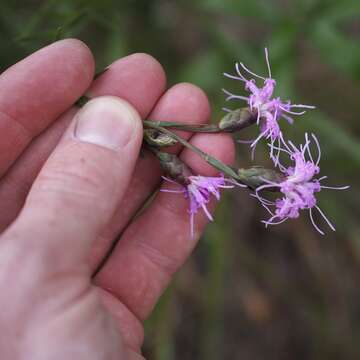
(247, 292)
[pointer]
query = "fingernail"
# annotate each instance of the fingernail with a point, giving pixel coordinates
(107, 122)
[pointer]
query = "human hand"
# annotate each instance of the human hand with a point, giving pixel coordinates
(84, 196)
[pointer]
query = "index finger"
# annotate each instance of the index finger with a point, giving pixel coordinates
(35, 91)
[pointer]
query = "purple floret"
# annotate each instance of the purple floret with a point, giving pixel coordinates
(269, 109)
(199, 190)
(299, 188)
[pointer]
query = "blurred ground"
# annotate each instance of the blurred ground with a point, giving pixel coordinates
(247, 293)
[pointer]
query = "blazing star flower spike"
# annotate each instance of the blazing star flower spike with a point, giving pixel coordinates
(198, 189)
(268, 109)
(299, 186)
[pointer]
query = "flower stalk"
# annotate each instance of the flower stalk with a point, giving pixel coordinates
(296, 185)
(233, 121)
(208, 158)
(197, 128)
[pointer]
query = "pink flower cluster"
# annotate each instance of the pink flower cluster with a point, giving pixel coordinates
(300, 184)
(269, 109)
(299, 187)
(199, 190)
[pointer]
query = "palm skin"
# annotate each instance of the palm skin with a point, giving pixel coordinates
(64, 199)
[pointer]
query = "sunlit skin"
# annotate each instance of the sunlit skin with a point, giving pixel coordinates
(60, 214)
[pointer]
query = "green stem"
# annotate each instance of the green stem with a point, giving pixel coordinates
(205, 128)
(209, 159)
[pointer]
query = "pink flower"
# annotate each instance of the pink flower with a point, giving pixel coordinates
(199, 190)
(300, 186)
(269, 109)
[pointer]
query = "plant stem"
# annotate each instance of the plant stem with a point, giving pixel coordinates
(205, 128)
(209, 159)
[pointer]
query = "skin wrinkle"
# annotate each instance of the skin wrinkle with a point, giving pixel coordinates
(162, 262)
(151, 290)
(90, 303)
(75, 76)
(94, 186)
(20, 136)
(27, 132)
(168, 211)
(23, 172)
(26, 103)
(133, 201)
(120, 72)
(143, 287)
(37, 285)
(134, 335)
(15, 185)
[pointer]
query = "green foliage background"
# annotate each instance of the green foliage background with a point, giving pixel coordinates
(248, 292)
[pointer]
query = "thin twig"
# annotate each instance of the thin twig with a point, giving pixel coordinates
(208, 158)
(205, 128)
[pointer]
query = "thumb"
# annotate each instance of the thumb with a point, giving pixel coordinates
(82, 182)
